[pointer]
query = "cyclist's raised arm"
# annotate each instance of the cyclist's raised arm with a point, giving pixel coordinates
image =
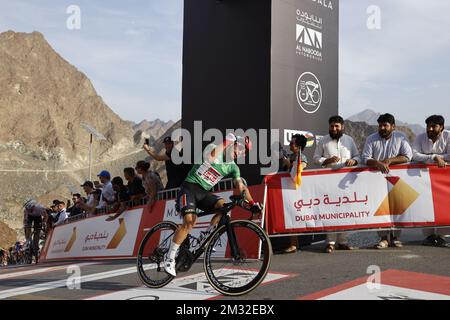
(218, 150)
(212, 154)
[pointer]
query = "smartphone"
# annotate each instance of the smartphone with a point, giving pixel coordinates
(147, 141)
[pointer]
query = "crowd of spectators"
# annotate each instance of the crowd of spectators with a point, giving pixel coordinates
(140, 185)
(107, 195)
(382, 150)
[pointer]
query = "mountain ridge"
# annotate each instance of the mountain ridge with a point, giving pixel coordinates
(370, 117)
(44, 101)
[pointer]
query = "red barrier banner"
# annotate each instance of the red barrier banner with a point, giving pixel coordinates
(359, 198)
(96, 238)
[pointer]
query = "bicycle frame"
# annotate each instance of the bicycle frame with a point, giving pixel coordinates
(224, 221)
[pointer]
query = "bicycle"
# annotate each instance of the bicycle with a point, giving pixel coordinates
(240, 234)
(29, 253)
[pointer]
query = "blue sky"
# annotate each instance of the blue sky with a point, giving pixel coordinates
(132, 50)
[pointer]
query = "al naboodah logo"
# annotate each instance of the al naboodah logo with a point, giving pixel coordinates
(398, 200)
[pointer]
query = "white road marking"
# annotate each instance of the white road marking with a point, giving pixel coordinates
(193, 287)
(386, 292)
(40, 270)
(62, 283)
(410, 256)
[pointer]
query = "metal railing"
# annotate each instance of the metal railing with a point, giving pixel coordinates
(171, 194)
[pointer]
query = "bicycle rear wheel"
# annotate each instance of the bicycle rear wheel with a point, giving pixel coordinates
(233, 277)
(152, 250)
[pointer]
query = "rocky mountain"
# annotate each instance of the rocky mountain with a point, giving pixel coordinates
(7, 236)
(43, 101)
(154, 128)
(43, 149)
(370, 117)
(46, 185)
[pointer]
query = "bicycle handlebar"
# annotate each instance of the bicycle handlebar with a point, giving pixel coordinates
(241, 202)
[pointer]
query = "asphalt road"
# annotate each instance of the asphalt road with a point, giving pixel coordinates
(291, 276)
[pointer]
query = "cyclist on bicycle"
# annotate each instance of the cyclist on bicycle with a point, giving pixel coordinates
(17, 251)
(33, 216)
(18, 246)
(195, 190)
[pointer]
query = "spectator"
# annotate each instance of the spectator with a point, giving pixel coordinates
(383, 149)
(98, 185)
(3, 257)
(433, 147)
(54, 212)
(176, 173)
(136, 190)
(283, 155)
(107, 197)
(97, 195)
(90, 203)
(68, 205)
(337, 150)
(76, 208)
(61, 216)
(151, 181)
(297, 143)
(122, 198)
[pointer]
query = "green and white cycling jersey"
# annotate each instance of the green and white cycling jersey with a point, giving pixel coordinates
(207, 175)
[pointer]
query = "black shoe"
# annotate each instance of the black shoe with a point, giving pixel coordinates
(345, 246)
(429, 241)
(436, 241)
(440, 242)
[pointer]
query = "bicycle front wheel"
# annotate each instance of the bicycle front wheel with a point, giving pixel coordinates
(152, 250)
(231, 276)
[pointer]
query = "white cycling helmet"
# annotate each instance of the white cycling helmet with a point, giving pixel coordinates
(29, 204)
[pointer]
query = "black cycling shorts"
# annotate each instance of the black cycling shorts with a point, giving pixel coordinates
(192, 197)
(37, 221)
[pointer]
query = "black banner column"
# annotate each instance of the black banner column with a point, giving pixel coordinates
(261, 64)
